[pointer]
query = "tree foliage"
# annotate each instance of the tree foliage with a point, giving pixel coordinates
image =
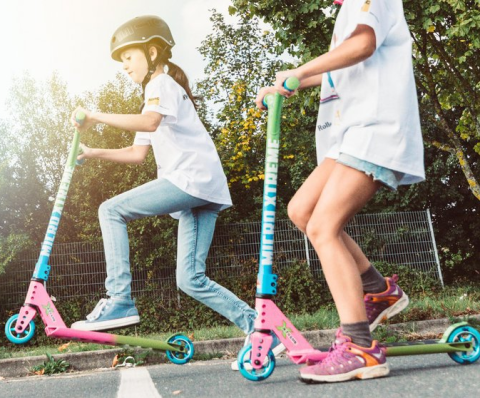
(35, 140)
(242, 58)
(446, 38)
(446, 42)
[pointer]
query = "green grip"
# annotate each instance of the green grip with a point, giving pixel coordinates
(80, 117)
(291, 84)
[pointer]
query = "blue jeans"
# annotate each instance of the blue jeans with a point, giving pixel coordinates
(195, 233)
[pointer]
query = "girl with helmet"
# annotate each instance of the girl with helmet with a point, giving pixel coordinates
(191, 185)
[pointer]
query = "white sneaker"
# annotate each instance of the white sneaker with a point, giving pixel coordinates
(111, 313)
(277, 350)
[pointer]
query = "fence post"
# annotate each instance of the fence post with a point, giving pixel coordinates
(435, 247)
(178, 298)
(307, 254)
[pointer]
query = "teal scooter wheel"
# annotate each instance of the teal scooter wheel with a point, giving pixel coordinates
(18, 338)
(180, 357)
(245, 365)
(465, 334)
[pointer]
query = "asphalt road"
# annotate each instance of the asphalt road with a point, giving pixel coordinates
(414, 376)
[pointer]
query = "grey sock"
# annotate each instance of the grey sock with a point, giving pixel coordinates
(359, 333)
(373, 281)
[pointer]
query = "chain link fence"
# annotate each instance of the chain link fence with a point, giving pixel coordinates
(78, 269)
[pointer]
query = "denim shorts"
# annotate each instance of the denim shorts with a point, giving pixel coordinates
(389, 178)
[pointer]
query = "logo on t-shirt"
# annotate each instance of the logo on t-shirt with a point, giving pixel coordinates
(366, 5)
(153, 101)
(324, 126)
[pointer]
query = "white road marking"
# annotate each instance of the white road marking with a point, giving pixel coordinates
(136, 382)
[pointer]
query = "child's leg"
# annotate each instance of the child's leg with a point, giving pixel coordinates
(344, 194)
(153, 198)
(300, 210)
(353, 355)
(195, 233)
(383, 298)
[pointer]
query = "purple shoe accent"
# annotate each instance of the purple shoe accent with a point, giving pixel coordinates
(382, 306)
(346, 361)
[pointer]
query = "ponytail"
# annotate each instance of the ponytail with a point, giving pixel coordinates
(181, 78)
(174, 70)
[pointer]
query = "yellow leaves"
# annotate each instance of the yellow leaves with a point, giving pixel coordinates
(289, 156)
(431, 29)
(64, 347)
(239, 88)
(254, 178)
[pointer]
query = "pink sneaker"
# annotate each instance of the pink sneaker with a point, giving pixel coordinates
(382, 306)
(346, 361)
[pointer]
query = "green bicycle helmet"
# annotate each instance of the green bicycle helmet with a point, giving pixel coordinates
(138, 31)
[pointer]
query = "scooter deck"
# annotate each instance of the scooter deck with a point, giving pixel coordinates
(426, 347)
(114, 339)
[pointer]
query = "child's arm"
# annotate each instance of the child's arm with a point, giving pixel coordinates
(146, 122)
(135, 154)
(357, 48)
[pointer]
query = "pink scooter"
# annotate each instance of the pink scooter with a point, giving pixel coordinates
(20, 328)
(256, 361)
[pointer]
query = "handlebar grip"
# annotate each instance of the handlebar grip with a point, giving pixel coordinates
(80, 117)
(290, 84)
(81, 161)
(264, 101)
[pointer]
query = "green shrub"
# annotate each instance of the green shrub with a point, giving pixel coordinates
(413, 282)
(51, 366)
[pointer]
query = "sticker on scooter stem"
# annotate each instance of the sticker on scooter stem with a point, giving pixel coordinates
(270, 200)
(57, 212)
(287, 332)
(49, 311)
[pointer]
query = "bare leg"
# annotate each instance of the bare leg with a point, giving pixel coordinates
(302, 205)
(344, 193)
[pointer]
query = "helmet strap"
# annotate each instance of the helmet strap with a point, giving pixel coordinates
(152, 66)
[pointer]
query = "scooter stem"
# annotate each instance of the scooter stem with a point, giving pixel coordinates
(42, 269)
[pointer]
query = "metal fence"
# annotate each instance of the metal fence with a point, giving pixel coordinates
(78, 269)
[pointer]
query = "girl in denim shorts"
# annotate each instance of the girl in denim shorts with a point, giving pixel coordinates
(368, 136)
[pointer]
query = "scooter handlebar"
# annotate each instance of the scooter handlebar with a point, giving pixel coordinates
(290, 84)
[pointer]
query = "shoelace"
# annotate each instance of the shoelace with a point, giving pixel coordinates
(335, 353)
(97, 311)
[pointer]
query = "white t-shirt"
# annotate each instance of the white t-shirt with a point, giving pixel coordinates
(184, 151)
(370, 110)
